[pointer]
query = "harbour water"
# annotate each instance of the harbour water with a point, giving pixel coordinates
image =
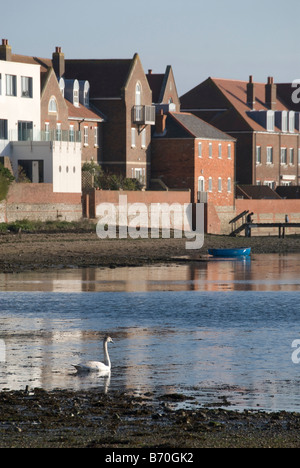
(218, 332)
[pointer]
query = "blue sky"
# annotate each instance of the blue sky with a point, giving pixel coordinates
(224, 39)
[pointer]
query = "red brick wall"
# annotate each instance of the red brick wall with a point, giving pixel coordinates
(38, 202)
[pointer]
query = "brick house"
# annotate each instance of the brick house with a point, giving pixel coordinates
(119, 89)
(263, 121)
(164, 90)
(188, 153)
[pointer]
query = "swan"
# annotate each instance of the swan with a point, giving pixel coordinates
(94, 366)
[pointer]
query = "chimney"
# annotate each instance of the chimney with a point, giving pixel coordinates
(250, 93)
(5, 51)
(58, 61)
(160, 122)
(271, 93)
(149, 72)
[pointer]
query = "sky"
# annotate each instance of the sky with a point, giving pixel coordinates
(198, 38)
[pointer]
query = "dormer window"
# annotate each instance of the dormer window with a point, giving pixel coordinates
(284, 123)
(62, 86)
(52, 107)
(270, 121)
(291, 121)
(76, 94)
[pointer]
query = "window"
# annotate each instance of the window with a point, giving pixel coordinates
(11, 85)
(26, 87)
(210, 150)
(3, 129)
(219, 184)
(229, 185)
(96, 137)
(76, 94)
(25, 130)
(47, 131)
(52, 106)
(220, 150)
(138, 91)
(284, 121)
(143, 136)
(58, 132)
(201, 184)
(200, 150)
(292, 159)
(133, 142)
(86, 136)
(291, 121)
(71, 134)
(269, 155)
(283, 155)
(270, 121)
(229, 151)
(258, 155)
(210, 184)
(138, 174)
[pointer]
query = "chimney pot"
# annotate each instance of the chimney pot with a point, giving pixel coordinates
(150, 72)
(58, 61)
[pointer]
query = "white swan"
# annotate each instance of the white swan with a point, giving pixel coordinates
(94, 366)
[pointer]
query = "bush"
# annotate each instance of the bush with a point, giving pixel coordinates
(107, 181)
(6, 178)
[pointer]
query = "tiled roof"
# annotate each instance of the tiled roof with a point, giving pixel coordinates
(82, 112)
(186, 125)
(256, 192)
(106, 77)
(223, 95)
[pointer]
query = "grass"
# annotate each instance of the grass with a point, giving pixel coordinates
(26, 225)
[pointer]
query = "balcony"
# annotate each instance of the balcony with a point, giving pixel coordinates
(51, 135)
(144, 115)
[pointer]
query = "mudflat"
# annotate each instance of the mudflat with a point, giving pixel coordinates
(39, 251)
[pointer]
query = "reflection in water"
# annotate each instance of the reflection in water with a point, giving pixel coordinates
(172, 331)
(260, 273)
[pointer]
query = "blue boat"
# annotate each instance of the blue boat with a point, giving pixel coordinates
(229, 253)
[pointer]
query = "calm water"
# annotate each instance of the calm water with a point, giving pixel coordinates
(209, 330)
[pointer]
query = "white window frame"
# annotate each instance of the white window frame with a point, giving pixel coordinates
(220, 151)
(26, 87)
(210, 184)
(229, 151)
(47, 131)
(85, 136)
(133, 137)
(71, 134)
(220, 184)
(200, 149)
(201, 184)
(258, 155)
(96, 137)
(292, 157)
(210, 150)
(270, 121)
(269, 154)
(52, 105)
(283, 156)
(58, 132)
(229, 188)
(11, 85)
(143, 138)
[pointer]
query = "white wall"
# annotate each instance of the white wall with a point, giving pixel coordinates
(17, 108)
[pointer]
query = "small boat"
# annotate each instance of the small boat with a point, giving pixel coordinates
(229, 253)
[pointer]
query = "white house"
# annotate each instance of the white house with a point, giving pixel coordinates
(47, 157)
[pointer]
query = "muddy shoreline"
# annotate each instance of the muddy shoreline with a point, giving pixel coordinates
(21, 252)
(89, 419)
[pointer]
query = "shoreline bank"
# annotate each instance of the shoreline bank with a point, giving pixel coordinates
(90, 419)
(40, 251)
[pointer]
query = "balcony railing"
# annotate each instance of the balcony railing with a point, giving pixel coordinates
(144, 115)
(51, 135)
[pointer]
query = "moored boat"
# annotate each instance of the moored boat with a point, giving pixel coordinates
(228, 253)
